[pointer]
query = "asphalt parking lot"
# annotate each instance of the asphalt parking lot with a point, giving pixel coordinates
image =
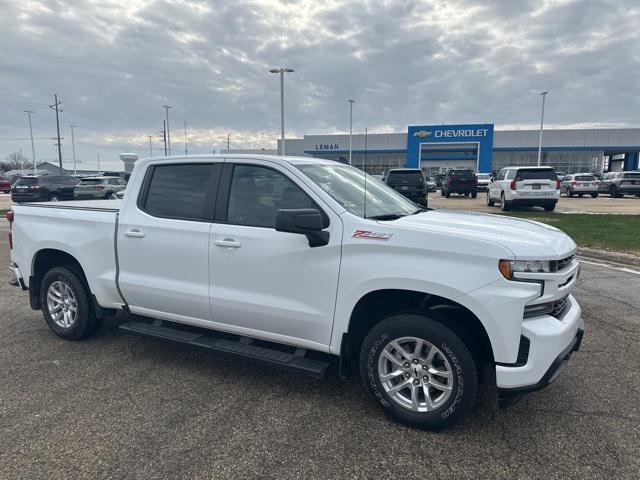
(118, 406)
(603, 204)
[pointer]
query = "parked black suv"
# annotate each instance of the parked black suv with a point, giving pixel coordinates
(460, 180)
(409, 182)
(43, 188)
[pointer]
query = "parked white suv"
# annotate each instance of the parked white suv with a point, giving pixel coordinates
(525, 186)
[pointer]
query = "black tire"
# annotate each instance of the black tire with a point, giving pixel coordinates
(448, 194)
(505, 206)
(549, 207)
(54, 197)
(490, 203)
(569, 193)
(580, 195)
(464, 378)
(86, 323)
(474, 194)
(442, 192)
(613, 192)
(594, 195)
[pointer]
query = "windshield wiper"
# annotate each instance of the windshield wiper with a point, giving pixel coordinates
(386, 216)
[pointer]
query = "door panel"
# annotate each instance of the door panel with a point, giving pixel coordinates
(164, 260)
(272, 282)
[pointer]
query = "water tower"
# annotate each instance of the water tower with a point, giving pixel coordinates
(129, 160)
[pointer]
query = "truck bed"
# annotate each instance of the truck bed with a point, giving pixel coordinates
(83, 229)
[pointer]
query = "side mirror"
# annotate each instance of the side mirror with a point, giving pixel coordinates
(305, 221)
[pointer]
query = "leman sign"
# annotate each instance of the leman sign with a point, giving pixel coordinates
(481, 134)
(327, 146)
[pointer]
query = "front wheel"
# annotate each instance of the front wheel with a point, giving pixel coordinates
(474, 194)
(594, 195)
(490, 202)
(418, 371)
(66, 304)
(54, 197)
(505, 206)
(448, 194)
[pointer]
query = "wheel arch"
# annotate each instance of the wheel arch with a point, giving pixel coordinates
(377, 305)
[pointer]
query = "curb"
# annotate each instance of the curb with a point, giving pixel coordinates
(613, 257)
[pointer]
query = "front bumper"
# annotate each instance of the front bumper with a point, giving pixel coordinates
(552, 341)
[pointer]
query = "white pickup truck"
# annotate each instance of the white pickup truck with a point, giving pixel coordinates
(282, 261)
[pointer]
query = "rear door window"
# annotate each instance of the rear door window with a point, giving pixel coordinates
(536, 174)
(181, 191)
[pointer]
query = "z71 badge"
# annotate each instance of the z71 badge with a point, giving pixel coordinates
(371, 235)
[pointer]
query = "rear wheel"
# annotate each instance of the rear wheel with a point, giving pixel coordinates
(504, 205)
(549, 207)
(613, 192)
(447, 194)
(581, 195)
(66, 304)
(442, 192)
(54, 197)
(569, 193)
(490, 202)
(474, 194)
(594, 195)
(418, 371)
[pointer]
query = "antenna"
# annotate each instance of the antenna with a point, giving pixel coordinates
(364, 169)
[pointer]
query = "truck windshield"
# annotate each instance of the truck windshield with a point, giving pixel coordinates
(404, 176)
(346, 185)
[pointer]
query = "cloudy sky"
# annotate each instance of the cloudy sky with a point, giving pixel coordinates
(114, 63)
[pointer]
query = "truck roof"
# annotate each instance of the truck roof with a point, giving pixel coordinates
(293, 160)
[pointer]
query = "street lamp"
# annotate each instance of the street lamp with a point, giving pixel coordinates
(351, 102)
(281, 71)
(544, 94)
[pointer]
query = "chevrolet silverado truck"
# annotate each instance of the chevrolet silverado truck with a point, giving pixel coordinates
(299, 263)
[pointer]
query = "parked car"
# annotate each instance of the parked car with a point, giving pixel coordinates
(431, 184)
(461, 181)
(484, 179)
(561, 175)
(525, 186)
(439, 178)
(301, 273)
(42, 188)
(99, 187)
(5, 184)
(618, 184)
(580, 184)
(409, 182)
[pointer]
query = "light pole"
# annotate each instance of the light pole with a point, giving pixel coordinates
(167, 107)
(73, 147)
(150, 147)
(281, 71)
(544, 94)
(33, 148)
(351, 102)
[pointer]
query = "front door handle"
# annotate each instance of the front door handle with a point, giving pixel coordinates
(134, 233)
(228, 243)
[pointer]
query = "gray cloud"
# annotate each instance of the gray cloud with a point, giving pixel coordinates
(115, 63)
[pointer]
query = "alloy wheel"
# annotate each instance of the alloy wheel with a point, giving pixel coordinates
(62, 304)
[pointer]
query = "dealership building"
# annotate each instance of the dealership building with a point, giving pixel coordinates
(438, 148)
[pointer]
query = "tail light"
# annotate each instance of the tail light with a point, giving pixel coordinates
(573, 184)
(557, 184)
(597, 182)
(513, 184)
(10, 220)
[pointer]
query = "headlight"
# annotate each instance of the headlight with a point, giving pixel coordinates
(509, 267)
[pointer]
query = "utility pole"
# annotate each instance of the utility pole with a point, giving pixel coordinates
(544, 94)
(150, 147)
(186, 151)
(33, 148)
(164, 136)
(98, 163)
(55, 106)
(228, 148)
(166, 128)
(350, 128)
(73, 146)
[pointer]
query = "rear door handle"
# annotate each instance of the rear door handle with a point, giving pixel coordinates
(228, 243)
(134, 233)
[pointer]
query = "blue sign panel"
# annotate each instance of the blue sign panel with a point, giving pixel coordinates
(480, 137)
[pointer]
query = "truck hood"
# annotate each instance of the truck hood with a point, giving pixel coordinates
(526, 239)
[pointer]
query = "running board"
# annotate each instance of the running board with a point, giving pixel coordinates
(294, 362)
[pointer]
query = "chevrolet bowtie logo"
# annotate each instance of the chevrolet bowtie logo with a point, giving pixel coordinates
(422, 134)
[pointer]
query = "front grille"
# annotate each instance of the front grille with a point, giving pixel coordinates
(556, 309)
(562, 264)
